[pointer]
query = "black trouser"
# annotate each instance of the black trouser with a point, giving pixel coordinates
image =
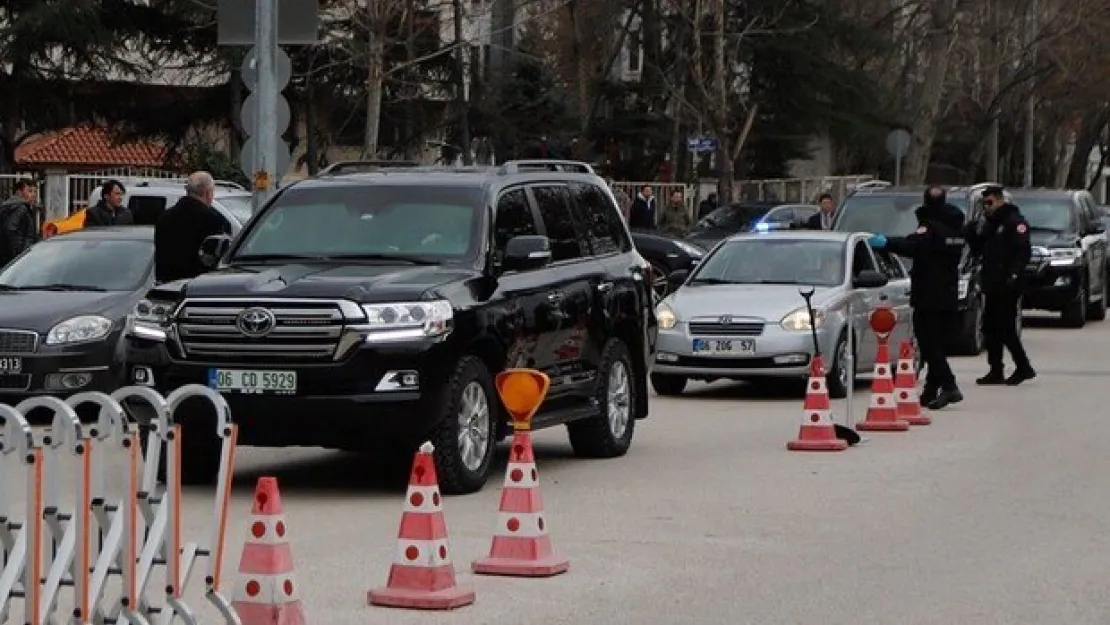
(932, 329)
(1000, 314)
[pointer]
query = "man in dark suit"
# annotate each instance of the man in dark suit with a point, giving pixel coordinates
(642, 214)
(823, 219)
(183, 227)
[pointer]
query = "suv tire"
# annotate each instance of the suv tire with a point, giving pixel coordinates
(470, 390)
(1098, 311)
(668, 385)
(608, 434)
(972, 338)
(1074, 314)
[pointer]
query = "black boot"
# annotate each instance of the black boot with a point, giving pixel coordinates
(946, 396)
(1020, 375)
(994, 377)
(928, 393)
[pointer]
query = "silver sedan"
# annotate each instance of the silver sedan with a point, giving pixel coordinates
(740, 314)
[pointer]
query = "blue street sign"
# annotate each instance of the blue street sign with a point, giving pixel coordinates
(701, 144)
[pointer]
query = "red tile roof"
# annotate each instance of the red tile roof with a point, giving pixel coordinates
(85, 146)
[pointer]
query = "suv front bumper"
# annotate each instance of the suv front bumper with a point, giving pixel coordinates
(1052, 288)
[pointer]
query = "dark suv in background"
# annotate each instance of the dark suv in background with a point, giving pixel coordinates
(890, 210)
(372, 310)
(1068, 269)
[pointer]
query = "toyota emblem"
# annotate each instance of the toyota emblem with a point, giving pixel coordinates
(255, 322)
(724, 320)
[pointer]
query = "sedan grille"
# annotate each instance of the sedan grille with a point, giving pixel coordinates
(734, 328)
(18, 342)
(302, 331)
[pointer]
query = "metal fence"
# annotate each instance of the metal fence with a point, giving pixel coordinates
(80, 186)
(798, 190)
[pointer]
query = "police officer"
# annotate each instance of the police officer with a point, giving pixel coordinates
(1001, 238)
(935, 247)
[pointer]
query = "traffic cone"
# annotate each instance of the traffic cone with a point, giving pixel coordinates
(818, 432)
(521, 546)
(422, 575)
(267, 590)
(908, 402)
(882, 414)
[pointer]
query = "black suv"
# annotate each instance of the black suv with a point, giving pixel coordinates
(1068, 269)
(371, 310)
(889, 210)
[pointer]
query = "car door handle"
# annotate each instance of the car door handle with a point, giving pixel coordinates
(605, 287)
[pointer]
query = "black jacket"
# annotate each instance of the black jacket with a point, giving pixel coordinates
(1002, 240)
(101, 215)
(177, 237)
(642, 214)
(18, 228)
(814, 221)
(936, 247)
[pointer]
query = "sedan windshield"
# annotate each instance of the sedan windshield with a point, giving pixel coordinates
(391, 222)
(81, 265)
(774, 261)
(238, 205)
(1046, 213)
(892, 215)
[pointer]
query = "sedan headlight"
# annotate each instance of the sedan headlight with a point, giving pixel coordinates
(690, 250)
(152, 311)
(408, 320)
(798, 320)
(1064, 256)
(965, 286)
(665, 314)
(80, 329)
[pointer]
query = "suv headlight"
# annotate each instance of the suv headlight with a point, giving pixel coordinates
(81, 329)
(965, 286)
(408, 320)
(666, 316)
(1064, 256)
(152, 311)
(798, 320)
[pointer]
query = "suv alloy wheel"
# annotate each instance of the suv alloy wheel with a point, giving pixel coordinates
(466, 435)
(608, 434)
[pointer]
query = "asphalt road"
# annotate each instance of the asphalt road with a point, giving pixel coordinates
(994, 514)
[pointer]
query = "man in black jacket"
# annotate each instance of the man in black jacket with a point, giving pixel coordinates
(642, 213)
(935, 247)
(109, 211)
(18, 225)
(1001, 238)
(183, 227)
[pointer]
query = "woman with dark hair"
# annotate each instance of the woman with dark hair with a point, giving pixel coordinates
(109, 211)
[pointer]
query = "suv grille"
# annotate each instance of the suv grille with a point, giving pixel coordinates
(18, 342)
(302, 331)
(735, 328)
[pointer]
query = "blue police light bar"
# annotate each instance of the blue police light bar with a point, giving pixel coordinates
(762, 226)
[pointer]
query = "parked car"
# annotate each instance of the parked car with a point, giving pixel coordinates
(63, 310)
(1067, 272)
(372, 310)
(666, 254)
(149, 198)
(728, 220)
(890, 210)
(739, 315)
(786, 217)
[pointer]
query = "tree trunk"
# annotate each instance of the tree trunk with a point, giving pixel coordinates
(1086, 141)
(463, 110)
(721, 111)
(936, 52)
(990, 158)
(375, 66)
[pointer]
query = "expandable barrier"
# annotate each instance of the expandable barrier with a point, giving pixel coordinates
(84, 539)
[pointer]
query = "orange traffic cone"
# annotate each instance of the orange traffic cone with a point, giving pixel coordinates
(908, 402)
(422, 575)
(882, 415)
(817, 433)
(267, 590)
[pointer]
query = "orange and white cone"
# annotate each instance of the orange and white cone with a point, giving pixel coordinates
(521, 545)
(882, 414)
(817, 432)
(422, 575)
(905, 388)
(266, 593)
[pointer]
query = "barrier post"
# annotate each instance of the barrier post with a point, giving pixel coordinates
(19, 453)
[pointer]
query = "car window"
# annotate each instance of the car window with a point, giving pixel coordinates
(780, 215)
(773, 261)
(862, 259)
(112, 265)
(238, 205)
(734, 217)
(432, 222)
(146, 209)
(889, 265)
(551, 201)
(803, 213)
(1048, 213)
(892, 215)
(514, 219)
(603, 224)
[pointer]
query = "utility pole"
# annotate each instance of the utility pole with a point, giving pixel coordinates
(265, 130)
(1032, 21)
(461, 102)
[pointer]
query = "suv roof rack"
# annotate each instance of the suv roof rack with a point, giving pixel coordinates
(347, 167)
(576, 167)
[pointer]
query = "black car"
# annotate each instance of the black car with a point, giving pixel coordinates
(666, 254)
(727, 221)
(372, 310)
(63, 311)
(1068, 269)
(890, 210)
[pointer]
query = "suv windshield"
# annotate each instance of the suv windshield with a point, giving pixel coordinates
(81, 265)
(774, 261)
(1047, 213)
(889, 214)
(430, 223)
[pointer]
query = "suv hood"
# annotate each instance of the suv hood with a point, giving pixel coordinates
(1044, 238)
(366, 283)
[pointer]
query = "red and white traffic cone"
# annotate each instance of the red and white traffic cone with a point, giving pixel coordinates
(422, 575)
(266, 593)
(521, 545)
(905, 388)
(882, 414)
(817, 432)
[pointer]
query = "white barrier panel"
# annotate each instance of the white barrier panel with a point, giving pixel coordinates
(82, 543)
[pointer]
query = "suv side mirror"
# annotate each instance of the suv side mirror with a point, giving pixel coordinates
(212, 249)
(676, 278)
(869, 279)
(526, 252)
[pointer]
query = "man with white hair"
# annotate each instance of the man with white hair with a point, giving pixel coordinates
(182, 228)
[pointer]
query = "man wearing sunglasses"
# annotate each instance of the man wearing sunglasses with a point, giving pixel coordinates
(1001, 239)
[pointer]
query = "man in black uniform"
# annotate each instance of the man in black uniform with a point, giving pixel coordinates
(1002, 240)
(935, 247)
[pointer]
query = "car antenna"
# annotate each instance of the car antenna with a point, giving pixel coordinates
(842, 432)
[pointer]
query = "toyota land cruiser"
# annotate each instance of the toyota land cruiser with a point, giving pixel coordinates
(370, 311)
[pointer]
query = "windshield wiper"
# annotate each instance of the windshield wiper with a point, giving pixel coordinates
(8, 287)
(712, 281)
(60, 286)
(400, 258)
(1046, 229)
(265, 257)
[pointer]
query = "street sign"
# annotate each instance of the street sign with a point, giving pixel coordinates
(282, 114)
(898, 142)
(298, 22)
(250, 167)
(701, 144)
(283, 69)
